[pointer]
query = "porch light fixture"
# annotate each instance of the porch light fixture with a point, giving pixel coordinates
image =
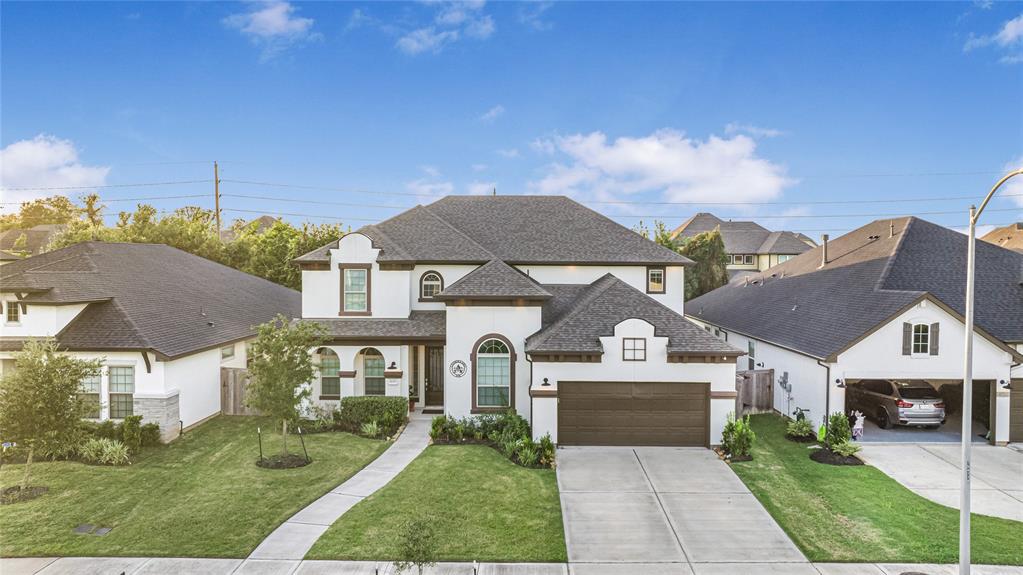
(394, 365)
(967, 407)
(840, 384)
(1005, 384)
(548, 384)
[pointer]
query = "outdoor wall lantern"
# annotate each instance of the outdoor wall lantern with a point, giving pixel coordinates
(1005, 384)
(840, 384)
(394, 365)
(546, 383)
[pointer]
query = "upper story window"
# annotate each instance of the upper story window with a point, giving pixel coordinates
(655, 280)
(920, 339)
(355, 289)
(751, 354)
(633, 349)
(13, 312)
(784, 258)
(227, 352)
(430, 285)
(744, 259)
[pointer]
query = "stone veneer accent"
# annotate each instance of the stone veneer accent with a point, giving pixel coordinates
(161, 410)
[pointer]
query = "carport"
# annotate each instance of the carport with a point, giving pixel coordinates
(951, 392)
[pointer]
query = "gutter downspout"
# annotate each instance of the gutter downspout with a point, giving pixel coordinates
(827, 392)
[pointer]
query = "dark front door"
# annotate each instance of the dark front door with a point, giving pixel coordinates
(434, 376)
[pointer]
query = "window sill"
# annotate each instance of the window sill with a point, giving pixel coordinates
(329, 397)
(428, 300)
(354, 313)
(482, 410)
(661, 292)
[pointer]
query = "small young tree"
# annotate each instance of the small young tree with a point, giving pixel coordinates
(707, 249)
(40, 408)
(280, 365)
(416, 546)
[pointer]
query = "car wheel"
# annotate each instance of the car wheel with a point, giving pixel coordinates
(883, 420)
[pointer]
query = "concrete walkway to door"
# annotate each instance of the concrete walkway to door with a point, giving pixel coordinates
(296, 536)
(666, 510)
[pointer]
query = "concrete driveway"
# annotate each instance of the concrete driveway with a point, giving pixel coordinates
(665, 510)
(933, 471)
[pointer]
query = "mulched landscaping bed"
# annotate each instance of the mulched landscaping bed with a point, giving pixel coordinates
(11, 495)
(289, 461)
(828, 457)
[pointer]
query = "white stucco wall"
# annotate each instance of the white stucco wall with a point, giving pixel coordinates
(633, 275)
(721, 376)
(389, 290)
(465, 326)
(449, 273)
(38, 320)
(196, 379)
(351, 360)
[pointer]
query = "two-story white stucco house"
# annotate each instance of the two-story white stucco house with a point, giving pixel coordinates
(477, 304)
(883, 302)
(163, 321)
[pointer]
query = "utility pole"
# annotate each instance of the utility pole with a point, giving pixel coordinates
(216, 195)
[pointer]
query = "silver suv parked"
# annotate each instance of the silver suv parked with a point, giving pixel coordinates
(890, 402)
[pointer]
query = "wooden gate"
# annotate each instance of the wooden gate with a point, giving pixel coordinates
(754, 391)
(232, 391)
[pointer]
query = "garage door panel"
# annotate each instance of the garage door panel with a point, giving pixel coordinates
(1016, 410)
(616, 413)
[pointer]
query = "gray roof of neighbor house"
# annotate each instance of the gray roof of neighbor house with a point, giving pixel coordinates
(6, 256)
(420, 325)
(494, 280)
(148, 296)
(1010, 236)
(872, 274)
(744, 237)
(36, 238)
(581, 315)
(515, 229)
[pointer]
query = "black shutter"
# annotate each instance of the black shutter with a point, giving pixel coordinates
(907, 339)
(934, 339)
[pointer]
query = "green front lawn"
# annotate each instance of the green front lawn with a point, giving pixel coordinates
(200, 496)
(481, 506)
(859, 514)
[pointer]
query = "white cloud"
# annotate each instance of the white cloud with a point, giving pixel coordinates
(427, 187)
(543, 146)
(478, 188)
(479, 167)
(272, 25)
(508, 152)
(755, 131)
(666, 162)
(1009, 37)
(44, 162)
(531, 15)
(492, 114)
(452, 21)
(431, 171)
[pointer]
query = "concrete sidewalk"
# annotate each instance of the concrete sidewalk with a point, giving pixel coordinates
(170, 566)
(293, 539)
(933, 471)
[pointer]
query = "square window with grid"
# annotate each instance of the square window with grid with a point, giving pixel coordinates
(493, 381)
(122, 390)
(634, 349)
(13, 312)
(655, 280)
(90, 394)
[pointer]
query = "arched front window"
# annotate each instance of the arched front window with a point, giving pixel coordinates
(921, 338)
(373, 372)
(330, 380)
(430, 285)
(492, 373)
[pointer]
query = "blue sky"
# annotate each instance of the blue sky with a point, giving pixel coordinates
(712, 102)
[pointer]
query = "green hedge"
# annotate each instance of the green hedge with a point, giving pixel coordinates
(388, 412)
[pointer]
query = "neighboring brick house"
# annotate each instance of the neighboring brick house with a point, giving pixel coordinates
(162, 320)
(476, 304)
(750, 246)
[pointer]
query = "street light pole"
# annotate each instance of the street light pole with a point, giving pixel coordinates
(967, 434)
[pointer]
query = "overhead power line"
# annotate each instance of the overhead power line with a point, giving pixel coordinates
(143, 199)
(104, 186)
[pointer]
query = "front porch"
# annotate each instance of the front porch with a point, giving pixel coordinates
(413, 370)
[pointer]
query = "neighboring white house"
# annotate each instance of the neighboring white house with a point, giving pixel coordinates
(163, 321)
(475, 304)
(882, 302)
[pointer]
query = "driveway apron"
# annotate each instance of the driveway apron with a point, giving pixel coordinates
(682, 509)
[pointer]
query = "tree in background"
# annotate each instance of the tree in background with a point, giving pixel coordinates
(280, 366)
(40, 408)
(707, 249)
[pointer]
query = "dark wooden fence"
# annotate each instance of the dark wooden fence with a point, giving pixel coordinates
(754, 391)
(232, 391)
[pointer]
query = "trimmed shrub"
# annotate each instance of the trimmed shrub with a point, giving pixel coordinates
(388, 412)
(846, 449)
(800, 429)
(737, 437)
(151, 435)
(506, 432)
(131, 433)
(838, 431)
(370, 429)
(104, 451)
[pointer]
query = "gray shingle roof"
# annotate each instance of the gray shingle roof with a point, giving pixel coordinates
(148, 296)
(605, 303)
(419, 325)
(36, 237)
(494, 280)
(742, 237)
(515, 229)
(820, 311)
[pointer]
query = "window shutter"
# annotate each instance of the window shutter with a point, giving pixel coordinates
(934, 339)
(907, 339)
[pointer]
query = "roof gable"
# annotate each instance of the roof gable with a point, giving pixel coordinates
(494, 280)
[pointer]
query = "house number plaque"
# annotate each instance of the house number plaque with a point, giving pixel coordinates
(458, 368)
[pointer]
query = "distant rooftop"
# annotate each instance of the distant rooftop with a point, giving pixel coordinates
(745, 237)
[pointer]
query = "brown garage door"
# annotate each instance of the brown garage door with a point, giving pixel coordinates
(1016, 411)
(614, 413)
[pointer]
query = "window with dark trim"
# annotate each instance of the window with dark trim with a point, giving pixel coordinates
(355, 289)
(330, 379)
(430, 284)
(655, 280)
(493, 374)
(373, 370)
(90, 394)
(13, 314)
(633, 349)
(122, 391)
